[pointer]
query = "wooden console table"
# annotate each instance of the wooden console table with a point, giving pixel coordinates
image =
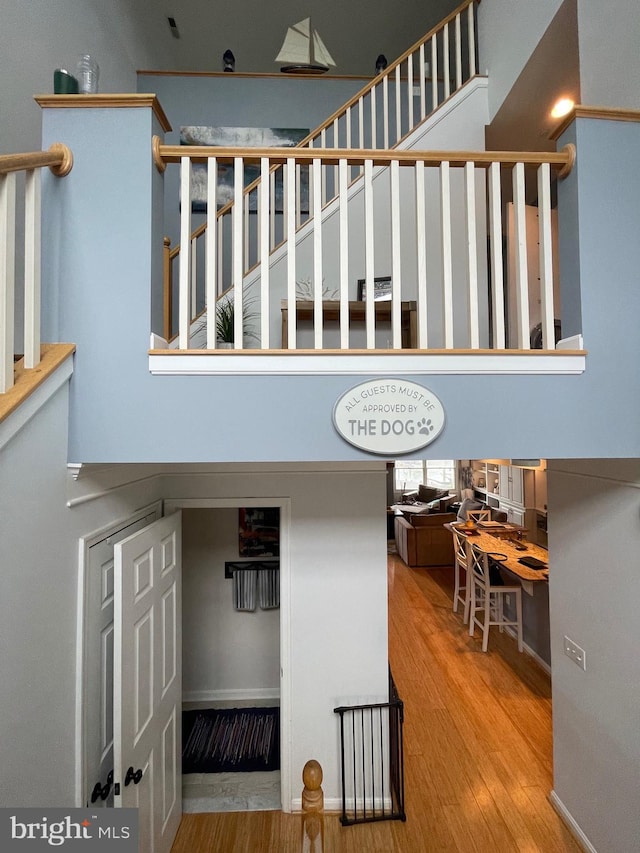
(331, 313)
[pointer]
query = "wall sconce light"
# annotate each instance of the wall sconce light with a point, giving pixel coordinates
(228, 61)
(562, 107)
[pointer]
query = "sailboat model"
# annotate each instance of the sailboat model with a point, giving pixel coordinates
(303, 51)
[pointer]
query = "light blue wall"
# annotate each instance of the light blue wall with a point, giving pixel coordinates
(97, 284)
(229, 100)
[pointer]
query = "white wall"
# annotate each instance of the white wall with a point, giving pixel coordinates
(227, 654)
(39, 559)
(508, 32)
(609, 34)
(594, 536)
(39, 36)
(336, 585)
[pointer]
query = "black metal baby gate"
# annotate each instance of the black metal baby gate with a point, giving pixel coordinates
(372, 760)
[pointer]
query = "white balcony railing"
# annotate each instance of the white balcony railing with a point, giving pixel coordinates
(437, 228)
(60, 161)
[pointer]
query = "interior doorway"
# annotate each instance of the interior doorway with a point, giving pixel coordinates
(231, 659)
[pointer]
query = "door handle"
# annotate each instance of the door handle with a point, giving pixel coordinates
(102, 791)
(132, 776)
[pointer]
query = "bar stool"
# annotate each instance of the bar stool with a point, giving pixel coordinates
(479, 515)
(461, 571)
(488, 599)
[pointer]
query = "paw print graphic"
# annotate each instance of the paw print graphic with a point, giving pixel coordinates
(425, 426)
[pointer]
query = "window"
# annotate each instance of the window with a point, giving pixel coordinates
(409, 474)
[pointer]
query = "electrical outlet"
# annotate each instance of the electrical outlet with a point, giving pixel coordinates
(572, 650)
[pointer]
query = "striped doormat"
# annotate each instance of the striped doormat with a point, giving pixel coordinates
(231, 740)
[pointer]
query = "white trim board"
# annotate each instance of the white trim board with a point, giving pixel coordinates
(258, 694)
(329, 364)
(14, 422)
(570, 822)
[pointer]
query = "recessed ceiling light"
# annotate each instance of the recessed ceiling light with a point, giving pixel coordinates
(562, 107)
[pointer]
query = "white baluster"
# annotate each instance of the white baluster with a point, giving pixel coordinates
(546, 257)
(348, 127)
(421, 242)
(32, 268)
(369, 259)
(398, 105)
(472, 40)
(211, 260)
(447, 273)
(445, 61)
(423, 83)
(272, 212)
(344, 253)
(385, 110)
(317, 256)
(324, 171)
(396, 266)
(291, 253)
(472, 258)
(361, 122)
(7, 277)
(434, 72)
(458, 46)
(373, 117)
(184, 268)
(238, 242)
(264, 207)
(193, 248)
(522, 273)
(495, 242)
(410, 91)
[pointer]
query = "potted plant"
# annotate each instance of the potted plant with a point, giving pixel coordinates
(225, 320)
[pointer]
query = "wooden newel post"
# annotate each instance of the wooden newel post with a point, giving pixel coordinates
(312, 794)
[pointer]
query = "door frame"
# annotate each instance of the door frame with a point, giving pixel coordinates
(284, 504)
(84, 544)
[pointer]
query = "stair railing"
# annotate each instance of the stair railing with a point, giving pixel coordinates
(420, 219)
(380, 116)
(60, 160)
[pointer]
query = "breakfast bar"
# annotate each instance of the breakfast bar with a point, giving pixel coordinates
(514, 550)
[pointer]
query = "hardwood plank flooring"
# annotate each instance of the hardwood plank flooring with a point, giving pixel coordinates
(478, 748)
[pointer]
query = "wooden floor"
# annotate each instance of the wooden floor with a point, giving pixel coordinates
(477, 746)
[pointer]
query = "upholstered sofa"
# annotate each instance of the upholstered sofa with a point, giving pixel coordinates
(421, 540)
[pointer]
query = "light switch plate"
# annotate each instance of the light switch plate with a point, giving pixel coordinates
(572, 650)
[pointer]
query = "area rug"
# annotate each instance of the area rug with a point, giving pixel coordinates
(231, 740)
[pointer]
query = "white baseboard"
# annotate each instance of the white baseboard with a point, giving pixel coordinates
(571, 824)
(259, 694)
(529, 651)
(331, 804)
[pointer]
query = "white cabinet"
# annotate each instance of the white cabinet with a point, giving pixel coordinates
(512, 484)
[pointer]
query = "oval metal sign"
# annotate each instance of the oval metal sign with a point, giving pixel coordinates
(389, 416)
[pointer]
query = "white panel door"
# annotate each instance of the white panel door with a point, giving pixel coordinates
(147, 728)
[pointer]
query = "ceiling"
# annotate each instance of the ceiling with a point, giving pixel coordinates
(354, 31)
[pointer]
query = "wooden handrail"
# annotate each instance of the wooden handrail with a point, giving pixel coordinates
(58, 158)
(560, 160)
